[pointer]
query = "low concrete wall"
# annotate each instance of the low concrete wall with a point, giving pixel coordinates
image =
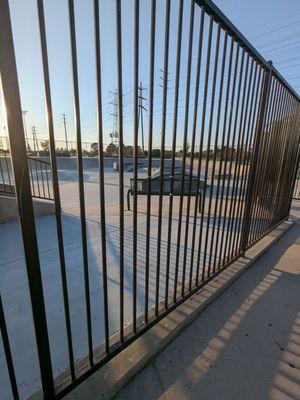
(9, 210)
(70, 163)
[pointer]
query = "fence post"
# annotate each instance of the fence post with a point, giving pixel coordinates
(254, 158)
(10, 88)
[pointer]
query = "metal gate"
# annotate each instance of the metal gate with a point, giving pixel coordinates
(239, 142)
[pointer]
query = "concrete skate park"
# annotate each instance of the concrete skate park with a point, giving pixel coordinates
(14, 288)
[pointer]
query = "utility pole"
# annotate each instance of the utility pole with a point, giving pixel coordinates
(24, 113)
(66, 134)
(141, 108)
(164, 81)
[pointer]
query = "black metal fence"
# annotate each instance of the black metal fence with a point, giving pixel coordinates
(240, 143)
(296, 192)
(39, 172)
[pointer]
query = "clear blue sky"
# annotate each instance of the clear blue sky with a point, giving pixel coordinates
(272, 28)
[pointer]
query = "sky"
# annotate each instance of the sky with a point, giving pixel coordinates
(273, 30)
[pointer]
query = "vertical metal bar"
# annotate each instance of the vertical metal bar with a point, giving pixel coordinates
(229, 193)
(150, 137)
(7, 167)
(221, 158)
(294, 185)
(254, 222)
(278, 188)
(259, 178)
(257, 141)
(47, 176)
(249, 138)
(287, 160)
(135, 155)
(254, 125)
(37, 178)
(290, 160)
(80, 178)
(7, 351)
(266, 161)
(282, 110)
(219, 247)
(236, 171)
(55, 183)
(101, 170)
(295, 182)
(171, 197)
(162, 151)
(2, 176)
(42, 175)
(10, 89)
(258, 181)
(209, 134)
(188, 206)
(296, 159)
(31, 177)
(121, 167)
(286, 170)
(240, 163)
(206, 79)
(195, 118)
(185, 136)
(214, 160)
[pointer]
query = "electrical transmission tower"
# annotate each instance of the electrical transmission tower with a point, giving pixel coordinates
(114, 134)
(141, 108)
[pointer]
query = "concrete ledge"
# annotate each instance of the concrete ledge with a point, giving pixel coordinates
(114, 375)
(9, 210)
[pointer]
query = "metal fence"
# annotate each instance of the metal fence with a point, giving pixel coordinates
(39, 172)
(240, 143)
(296, 192)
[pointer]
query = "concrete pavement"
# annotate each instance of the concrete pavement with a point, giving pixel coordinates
(14, 287)
(245, 345)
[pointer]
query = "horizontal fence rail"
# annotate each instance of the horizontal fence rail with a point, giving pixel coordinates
(222, 176)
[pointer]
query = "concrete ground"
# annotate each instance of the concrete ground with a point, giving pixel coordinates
(14, 287)
(245, 345)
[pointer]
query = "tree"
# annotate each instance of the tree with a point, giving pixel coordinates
(94, 149)
(111, 150)
(128, 151)
(45, 148)
(45, 145)
(155, 153)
